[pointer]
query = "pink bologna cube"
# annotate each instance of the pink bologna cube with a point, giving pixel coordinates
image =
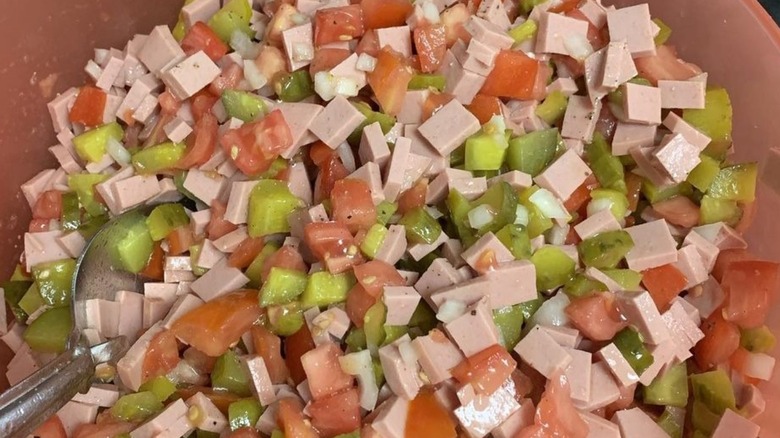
(632, 135)
(642, 104)
(401, 302)
(733, 425)
(633, 24)
(191, 75)
(564, 175)
(555, 29)
(539, 350)
(677, 125)
(437, 355)
(580, 119)
(474, 331)
(449, 127)
(682, 94)
(677, 156)
(653, 246)
(641, 312)
(635, 423)
(488, 242)
(334, 124)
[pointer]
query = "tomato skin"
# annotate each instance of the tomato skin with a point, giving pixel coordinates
(332, 244)
(246, 252)
(201, 37)
(332, 170)
(229, 78)
(218, 226)
(332, 25)
(352, 204)
(414, 197)
(484, 107)
(679, 211)
(168, 104)
(369, 44)
(726, 258)
(749, 285)
(375, 275)
(285, 257)
(180, 240)
(596, 316)
(389, 80)
(155, 267)
(664, 283)
(323, 371)
(721, 340)
(51, 428)
(291, 420)
(434, 102)
(89, 106)
(162, 355)
(255, 145)
(358, 303)
(202, 103)
(269, 347)
(326, 58)
(515, 76)
(487, 370)
(581, 196)
(48, 206)
(385, 13)
(430, 41)
(336, 414)
(201, 142)
(213, 327)
(556, 415)
(296, 346)
(665, 65)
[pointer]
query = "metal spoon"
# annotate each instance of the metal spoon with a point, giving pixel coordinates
(38, 397)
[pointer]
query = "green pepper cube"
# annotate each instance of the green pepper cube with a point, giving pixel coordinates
(161, 386)
(84, 186)
(166, 218)
(229, 374)
(136, 407)
(553, 108)
(324, 289)
(524, 31)
(14, 291)
(626, 278)
(421, 227)
(270, 203)
(374, 326)
(49, 332)
(672, 421)
(715, 119)
(70, 217)
(703, 420)
(384, 211)
(356, 339)
(255, 269)
(663, 34)
(386, 122)
(31, 301)
(553, 267)
(235, 15)
(714, 210)
(244, 413)
(459, 208)
(502, 199)
(669, 388)
(91, 145)
(757, 340)
(703, 175)
(483, 152)
(735, 183)
(509, 321)
(605, 250)
(632, 347)
(282, 286)
(134, 245)
(582, 286)
(295, 86)
(714, 390)
(655, 194)
(54, 281)
(393, 333)
(373, 241)
(285, 319)
(516, 238)
(532, 152)
(242, 105)
(424, 81)
(155, 159)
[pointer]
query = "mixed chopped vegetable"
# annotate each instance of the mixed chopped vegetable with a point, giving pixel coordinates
(402, 219)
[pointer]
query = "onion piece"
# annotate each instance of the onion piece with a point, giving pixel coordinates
(347, 157)
(243, 45)
(361, 366)
(253, 75)
(118, 152)
(430, 12)
(549, 205)
(480, 216)
(451, 310)
(552, 312)
(365, 62)
(578, 46)
(521, 215)
(325, 85)
(408, 353)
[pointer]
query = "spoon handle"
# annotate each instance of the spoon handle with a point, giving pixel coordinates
(35, 399)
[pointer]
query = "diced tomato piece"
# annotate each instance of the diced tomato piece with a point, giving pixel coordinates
(291, 420)
(389, 80)
(296, 346)
(414, 197)
(323, 371)
(679, 211)
(320, 153)
(336, 414)
(352, 204)
(201, 142)
(103, 429)
(358, 303)
(180, 240)
(200, 37)
(515, 76)
(748, 285)
(48, 205)
(168, 104)
(255, 145)
(213, 327)
(665, 65)
(333, 244)
(375, 275)
(430, 42)
(246, 252)
(721, 340)
(342, 23)
(244, 432)
(155, 267)
(269, 347)
(581, 196)
(453, 19)
(281, 20)
(285, 257)
(484, 107)
(162, 355)
(218, 226)
(726, 258)
(39, 225)
(326, 58)
(89, 106)
(556, 415)
(369, 44)
(385, 13)
(229, 78)
(202, 103)
(51, 428)
(428, 418)
(487, 370)
(487, 261)
(332, 170)
(596, 316)
(434, 102)
(664, 283)
(564, 6)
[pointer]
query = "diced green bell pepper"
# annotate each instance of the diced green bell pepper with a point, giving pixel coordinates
(164, 219)
(373, 241)
(663, 34)
(386, 122)
(255, 269)
(84, 186)
(423, 318)
(229, 374)
(672, 421)
(354, 434)
(616, 201)
(393, 333)
(424, 81)
(582, 286)
(155, 159)
(384, 211)
(282, 286)
(324, 289)
(718, 210)
(554, 106)
(527, 5)
(503, 200)
(14, 290)
(136, 407)
(735, 183)
(295, 86)
(161, 386)
(50, 331)
(234, 15)
(532, 152)
(285, 319)
(244, 413)
(757, 340)
(270, 203)
(529, 308)
(420, 226)
(704, 173)
(70, 217)
(91, 145)
(54, 281)
(516, 238)
(703, 420)
(134, 244)
(626, 278)
(509, 321)
(356, 339)
(374, 326)
(553, 267)
(606, 167)
(483, 152)
(243, 105)
(669, 388)
(459, 208)
(19, 274)
(633, 349)
(31, 301)
(277, 434)
(716, 118)
(180, 28)
(605, 250)
(524, 31)
(655, 194)
(714, 390)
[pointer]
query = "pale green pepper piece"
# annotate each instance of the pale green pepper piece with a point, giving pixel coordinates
(509, 322)
(484, 153)
(374, 326)
(373, 241)
(424, 81)
(255, 269)
(236, 15)
(703, 420)
(54, 281)
(527, 5)
(393, 333)
(714, 390)
(136, 407)
(616, 201)
(532, 152)
(14, 291)
(420, 226)
(524, 31)
(735, 183)
(384, 211)
(516, 239)
(553, 267)
(704, 173)
(91, 145)
(282, 286)
(270, 203)
(84, 186)
(626, 278)
(605, 250)
(155, 159)
(503, 200)
(133, 245)
(757, 340)
(180, 29)
(633, 349)
(715, 119)
(655, 194)
(244, 413)
(324, 289)
(164, 219)
(554, 106)
(277, 434)
(459, 208)
(719, 210)
(31, 301)
(669, 388)
(582, 286)
(295, 86)
(242, 105)
(229, 375)
(386, 122)
(606, 167)
(161, 386)
(672, 421)
(356, 339)
(663, 34)
(70, 218)
(286, 319)
(50, 331)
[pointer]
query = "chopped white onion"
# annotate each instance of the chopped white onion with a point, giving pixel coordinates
(346, 86)
(552, 312)
(430, 12)
(325, 85)
(481, 216)
(365, 62)
(549, 205)
(118, 152)
(408, 353)
(578, 46)
(299, 18)
(451, 310)
(101, 56)
(302, 52)
(598, 204)
(243, 45)
(186, 373)
(360, 365)
(521, 215)
(557, 234)
(347, 157)
(254, 77)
